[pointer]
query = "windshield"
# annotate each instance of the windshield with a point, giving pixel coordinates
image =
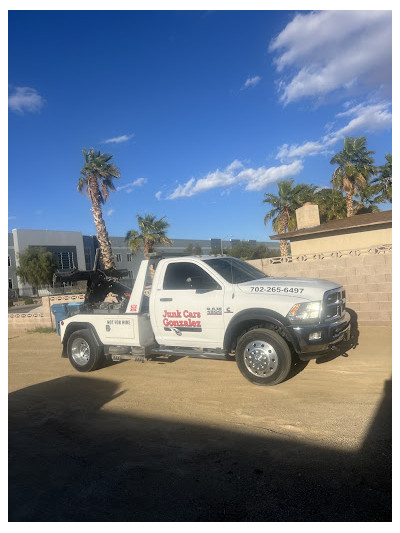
(234, 270)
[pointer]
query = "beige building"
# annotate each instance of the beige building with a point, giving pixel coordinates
(356, 232)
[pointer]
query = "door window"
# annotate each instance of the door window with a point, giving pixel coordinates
(188, 276)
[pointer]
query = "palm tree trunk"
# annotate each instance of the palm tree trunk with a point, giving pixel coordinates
(107, 255)
(284, 247)
(283, 225)
(147, 250)
(349, 204)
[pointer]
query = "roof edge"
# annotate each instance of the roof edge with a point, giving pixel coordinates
(337, 225)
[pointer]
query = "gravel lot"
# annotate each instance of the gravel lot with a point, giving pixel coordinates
(191, 440)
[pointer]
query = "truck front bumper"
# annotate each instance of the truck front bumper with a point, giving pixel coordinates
(313, 341)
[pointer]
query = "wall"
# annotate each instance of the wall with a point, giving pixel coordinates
(341, 240)
(366, 274)
(43, 318)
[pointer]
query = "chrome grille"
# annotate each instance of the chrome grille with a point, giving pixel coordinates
(334, 304)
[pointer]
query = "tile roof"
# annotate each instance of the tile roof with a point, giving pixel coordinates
(356, 221)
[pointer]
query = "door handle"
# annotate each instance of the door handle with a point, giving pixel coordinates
(165, 299)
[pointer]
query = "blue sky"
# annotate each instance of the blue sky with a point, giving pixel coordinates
(204, 111)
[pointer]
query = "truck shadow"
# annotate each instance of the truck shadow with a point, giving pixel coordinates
(71, 460)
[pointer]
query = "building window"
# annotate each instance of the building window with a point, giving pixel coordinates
(118, 258)
(9, 261)
(10, 285)
(65, 260)
(88, 258)
(129, 257)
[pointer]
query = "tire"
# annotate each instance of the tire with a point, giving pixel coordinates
(83, 352)
(263, 357)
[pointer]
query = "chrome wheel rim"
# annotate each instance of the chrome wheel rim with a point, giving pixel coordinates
(260, 358)
(80, 352)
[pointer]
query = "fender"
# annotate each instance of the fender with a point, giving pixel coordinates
(75, 326)
(259, 315)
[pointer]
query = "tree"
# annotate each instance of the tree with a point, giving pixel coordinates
(383, 183)
(367, 202)
(284, 206)
(218, 251)
(36, 267)
(355, 166)
(244, 250)
(97, 177)
(331, 204)
(151, 232)
(193, 249)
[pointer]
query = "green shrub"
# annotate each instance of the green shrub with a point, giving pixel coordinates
(10, 303)
(29, 301)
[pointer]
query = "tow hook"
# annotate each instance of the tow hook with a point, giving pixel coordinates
(337, 350)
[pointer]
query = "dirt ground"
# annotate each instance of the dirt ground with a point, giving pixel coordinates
(191, 440)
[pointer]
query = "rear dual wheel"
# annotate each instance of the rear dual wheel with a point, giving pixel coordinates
(263, 357)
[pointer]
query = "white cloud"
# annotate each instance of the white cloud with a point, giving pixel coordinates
(368, 118)
(235, 165)
(365, 118)
(328, 51)
(286, 152)
(235, 173)
(158, 195)
(25, 99)
(110, 212)
(130, 186)
(251, 82)
(120, 139)
(259, 178)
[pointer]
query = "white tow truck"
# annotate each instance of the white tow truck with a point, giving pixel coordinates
(211, 306)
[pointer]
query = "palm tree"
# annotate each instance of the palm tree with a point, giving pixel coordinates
(331, 203)
(383, 183)
(367, 200)
(97, 177)
(151, 232)
(284, 206)
(355, 166)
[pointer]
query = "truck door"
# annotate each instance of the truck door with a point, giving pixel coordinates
(188, 308)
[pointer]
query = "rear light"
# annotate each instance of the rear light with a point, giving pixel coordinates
(62, 322)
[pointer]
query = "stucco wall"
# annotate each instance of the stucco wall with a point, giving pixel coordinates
(341, 240)
(42, 317)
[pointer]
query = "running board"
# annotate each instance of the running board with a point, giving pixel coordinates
(188, 352)
(142, 354)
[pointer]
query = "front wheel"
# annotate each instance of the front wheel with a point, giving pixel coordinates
(83, 352)
(263, 357)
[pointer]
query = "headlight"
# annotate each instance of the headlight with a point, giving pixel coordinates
(305, 312)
